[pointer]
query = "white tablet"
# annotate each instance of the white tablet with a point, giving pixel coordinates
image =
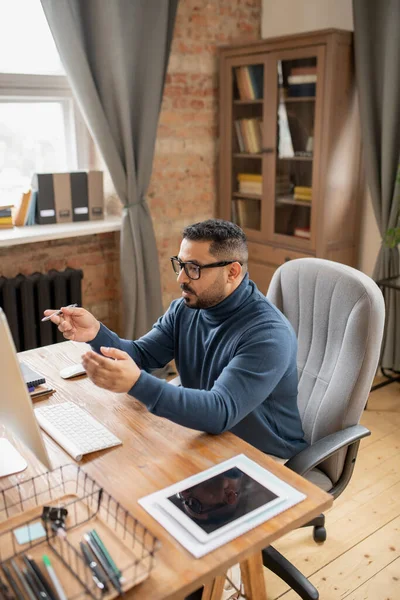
(222, 499)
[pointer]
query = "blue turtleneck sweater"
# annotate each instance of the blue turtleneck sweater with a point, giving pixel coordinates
(237, 364)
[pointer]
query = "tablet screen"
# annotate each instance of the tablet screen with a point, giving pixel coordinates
(222, 499)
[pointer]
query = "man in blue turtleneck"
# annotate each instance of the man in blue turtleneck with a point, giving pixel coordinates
(235, 351)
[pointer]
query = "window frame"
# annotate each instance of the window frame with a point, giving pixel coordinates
(27, 87)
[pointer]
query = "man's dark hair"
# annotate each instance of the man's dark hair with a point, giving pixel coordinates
(227, 240)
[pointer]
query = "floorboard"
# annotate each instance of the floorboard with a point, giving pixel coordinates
(360, 559)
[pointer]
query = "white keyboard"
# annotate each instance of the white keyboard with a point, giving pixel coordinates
(75, 429)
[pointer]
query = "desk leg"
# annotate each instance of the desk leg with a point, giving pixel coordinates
(213, 590)
(252, 571)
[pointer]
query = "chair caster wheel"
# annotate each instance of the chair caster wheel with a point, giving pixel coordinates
(319, 534)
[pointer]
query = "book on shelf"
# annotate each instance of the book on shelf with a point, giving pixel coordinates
(298, 79)
(303, 70)
(31, 213)
(23, 209)
(246, 135)
(302, 197)
(5, 211)
(248, 213)
(250, 183)
(302, 232)
(239, 136)
(234, 215)
(303, 193)
(283, 185)
(302, 90)
(6, 220)
(250, 188)
(249, 177)
(250, 82)
(249, 135)
(305, 189)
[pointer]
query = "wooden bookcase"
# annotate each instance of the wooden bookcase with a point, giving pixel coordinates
(290, 155)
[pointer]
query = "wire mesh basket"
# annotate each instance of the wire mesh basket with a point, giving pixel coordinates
(131, 545)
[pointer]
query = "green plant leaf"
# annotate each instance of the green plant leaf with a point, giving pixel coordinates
(392, 237)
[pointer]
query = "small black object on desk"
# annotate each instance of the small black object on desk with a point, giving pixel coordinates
(394, 284)
(56, 515)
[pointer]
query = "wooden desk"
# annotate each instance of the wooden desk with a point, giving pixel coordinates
(156, 453)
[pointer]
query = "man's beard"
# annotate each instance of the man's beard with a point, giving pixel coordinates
(201, 303)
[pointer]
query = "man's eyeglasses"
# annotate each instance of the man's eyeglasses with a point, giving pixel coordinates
(193, 270)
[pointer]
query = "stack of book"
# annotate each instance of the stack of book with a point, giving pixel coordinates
(35, 382)
(250, 183)
(6, 216)
(302, 81)
(303, 193)
(249, 135)
(250, 82)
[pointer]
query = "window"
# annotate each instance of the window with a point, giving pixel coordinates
(41, 128)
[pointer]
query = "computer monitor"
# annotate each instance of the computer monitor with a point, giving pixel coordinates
(16, 410)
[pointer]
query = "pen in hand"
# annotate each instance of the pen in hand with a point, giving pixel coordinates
(57, 312)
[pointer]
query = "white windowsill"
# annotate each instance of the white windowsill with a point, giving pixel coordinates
(43, 233)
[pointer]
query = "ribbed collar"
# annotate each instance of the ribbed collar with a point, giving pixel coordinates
(231, 304)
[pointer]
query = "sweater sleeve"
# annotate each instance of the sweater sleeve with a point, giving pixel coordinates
(152, 351)
(257, 367)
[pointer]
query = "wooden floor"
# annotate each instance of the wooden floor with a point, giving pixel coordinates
(360, 559)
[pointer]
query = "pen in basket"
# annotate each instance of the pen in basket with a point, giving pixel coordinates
(16, 593)
(22, 579)
(37, 580)
(97, 539)
(53, 576)
(90, 560)
(104, 563)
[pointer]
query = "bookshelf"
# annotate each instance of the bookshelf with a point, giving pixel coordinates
(290, 166)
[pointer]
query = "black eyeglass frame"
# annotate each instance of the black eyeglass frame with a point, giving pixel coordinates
(182, 265)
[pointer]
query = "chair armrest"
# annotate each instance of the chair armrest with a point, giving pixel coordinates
(312, 456)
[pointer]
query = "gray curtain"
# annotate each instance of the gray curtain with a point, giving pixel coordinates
(115, 53)
(377, 56)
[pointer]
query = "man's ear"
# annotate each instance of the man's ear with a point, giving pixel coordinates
(234, 272)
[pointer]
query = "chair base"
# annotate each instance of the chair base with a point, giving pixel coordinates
(319, 532)
(275, 562)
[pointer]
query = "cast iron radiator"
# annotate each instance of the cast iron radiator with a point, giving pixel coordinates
(24, 298)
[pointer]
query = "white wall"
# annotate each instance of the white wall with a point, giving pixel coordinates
(285, 17)
(282, 17)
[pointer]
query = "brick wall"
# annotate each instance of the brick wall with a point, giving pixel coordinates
(184, 180)
(96, 255)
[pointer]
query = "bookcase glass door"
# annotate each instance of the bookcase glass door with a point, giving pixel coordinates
(297, 84)
(247, 143)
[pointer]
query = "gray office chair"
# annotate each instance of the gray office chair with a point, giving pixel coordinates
(338, 315)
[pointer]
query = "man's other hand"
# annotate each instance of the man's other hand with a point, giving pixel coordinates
(117, 375)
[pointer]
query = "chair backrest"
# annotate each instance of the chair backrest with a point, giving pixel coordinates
(338, 315)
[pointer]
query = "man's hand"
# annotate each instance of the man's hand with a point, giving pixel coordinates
(117, 375)
(75, 324)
